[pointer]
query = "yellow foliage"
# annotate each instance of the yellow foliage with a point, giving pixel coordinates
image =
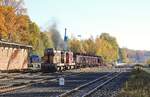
(11, 24)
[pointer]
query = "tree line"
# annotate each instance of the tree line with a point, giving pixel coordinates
(104, 45)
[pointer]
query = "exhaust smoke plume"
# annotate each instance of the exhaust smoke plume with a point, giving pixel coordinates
(56, 37)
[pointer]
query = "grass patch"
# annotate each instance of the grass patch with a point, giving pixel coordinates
(138, 85)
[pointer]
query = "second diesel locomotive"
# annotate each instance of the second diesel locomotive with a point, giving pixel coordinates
(56, 60)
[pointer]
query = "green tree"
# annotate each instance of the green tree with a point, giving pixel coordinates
(123, 55)
(148, 61)
(34, 38)
(47, 42)
(39, 40)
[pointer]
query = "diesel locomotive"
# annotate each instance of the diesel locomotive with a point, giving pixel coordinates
(57, 60)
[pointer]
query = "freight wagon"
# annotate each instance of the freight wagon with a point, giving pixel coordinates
(86, 60)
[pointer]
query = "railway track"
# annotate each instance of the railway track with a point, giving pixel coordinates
(86, 89)
(76, 85)
(13, 87)
(11, 78)
(38, 90)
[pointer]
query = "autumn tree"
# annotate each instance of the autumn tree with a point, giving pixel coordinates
(11, 24)
(104, 49)
(107, 47)
(89, 46)
(2, 24)
(17, 5)
(13, 20)
(75, 45)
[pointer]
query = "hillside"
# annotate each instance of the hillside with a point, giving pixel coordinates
(138, 56)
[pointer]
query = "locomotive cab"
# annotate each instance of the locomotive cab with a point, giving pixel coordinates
(48, 61)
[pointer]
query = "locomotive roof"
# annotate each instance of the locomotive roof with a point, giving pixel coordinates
(54, 50)
(14, 44)
(86, 54)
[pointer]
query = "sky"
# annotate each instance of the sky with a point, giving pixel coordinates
(127, 20)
